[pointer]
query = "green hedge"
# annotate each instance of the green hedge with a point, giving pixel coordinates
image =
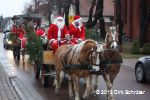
(135, 47)
(92, 34)
(146, 48)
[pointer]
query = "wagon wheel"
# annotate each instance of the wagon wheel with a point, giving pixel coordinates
(36, 71)
(45, 78)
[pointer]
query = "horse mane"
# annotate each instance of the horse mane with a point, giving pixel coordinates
(76, 49)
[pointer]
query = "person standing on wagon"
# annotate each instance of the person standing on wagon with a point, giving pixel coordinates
(21, 35)
(21, 32)
(57, 33)
(14, 29)
(77, 30)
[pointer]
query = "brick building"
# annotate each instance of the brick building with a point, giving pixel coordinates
(108, 11)
(135, 15)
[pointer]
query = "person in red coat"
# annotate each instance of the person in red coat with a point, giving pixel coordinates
(40, 32)
(21, 35)
(77, 30)
(14, 29)
(57, 33)
(20, 32)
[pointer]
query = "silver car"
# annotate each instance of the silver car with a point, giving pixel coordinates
(7, 43)
(142, 69)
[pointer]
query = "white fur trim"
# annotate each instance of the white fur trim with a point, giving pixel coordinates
(43, 35)
(78, 20)
(59, 34)
(50, 41)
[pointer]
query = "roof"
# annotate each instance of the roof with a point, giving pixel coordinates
(86, 4)
(27, 16)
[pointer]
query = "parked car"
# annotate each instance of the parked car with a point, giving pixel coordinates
(142, 69)
(7, 43)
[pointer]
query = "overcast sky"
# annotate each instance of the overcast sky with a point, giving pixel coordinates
(8, 8)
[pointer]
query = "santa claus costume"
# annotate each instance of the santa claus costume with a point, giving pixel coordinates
(57, 32)
(77, 30)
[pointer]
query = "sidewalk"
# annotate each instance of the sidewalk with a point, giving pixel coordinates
(7, 91)
(13, 87)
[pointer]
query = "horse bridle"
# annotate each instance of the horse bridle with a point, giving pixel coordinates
(108, 44)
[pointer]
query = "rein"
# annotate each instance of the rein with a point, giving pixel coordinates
(106, 63)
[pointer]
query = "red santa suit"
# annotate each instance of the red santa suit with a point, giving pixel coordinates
(14, 29)
(21, 35)
(56, 33)
(77, 30)
(40, 32)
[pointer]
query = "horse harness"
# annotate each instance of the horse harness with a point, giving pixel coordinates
(88, 66)
(67, 64)
(106, 64)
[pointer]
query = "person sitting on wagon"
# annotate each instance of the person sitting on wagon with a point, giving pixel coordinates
(77, 30)
(57, 33)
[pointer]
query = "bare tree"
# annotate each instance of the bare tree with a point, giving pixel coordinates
(97, 16)
(28, 8)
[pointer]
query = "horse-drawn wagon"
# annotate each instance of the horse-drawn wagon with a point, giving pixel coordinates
(47, 70)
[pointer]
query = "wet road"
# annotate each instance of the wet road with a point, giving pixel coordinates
(124, 82)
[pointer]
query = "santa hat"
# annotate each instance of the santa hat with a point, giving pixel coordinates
(77, 18)
(59, 18)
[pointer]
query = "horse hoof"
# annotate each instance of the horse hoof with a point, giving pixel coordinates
(71, 97)
(77, 99)
(56, 94)
(95, 87)
(110, 98)
(93, 94)
(56, 91)
(84, 97)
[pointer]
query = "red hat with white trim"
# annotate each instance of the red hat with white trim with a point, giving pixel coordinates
(77, 18)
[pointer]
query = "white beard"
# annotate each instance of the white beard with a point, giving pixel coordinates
(60, 24)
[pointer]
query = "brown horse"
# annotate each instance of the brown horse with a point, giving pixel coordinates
(76, 61)
(110, 61)
(113, 57)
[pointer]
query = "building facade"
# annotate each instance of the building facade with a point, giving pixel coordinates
(135, 15)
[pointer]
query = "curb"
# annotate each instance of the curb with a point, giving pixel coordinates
(23, 89)
(7, 92)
